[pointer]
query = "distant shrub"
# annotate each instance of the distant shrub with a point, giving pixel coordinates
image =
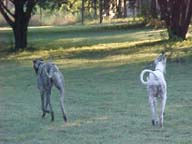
(52, 19)
(64, 20)
(156, 23)
(35, 21)
(2, 21)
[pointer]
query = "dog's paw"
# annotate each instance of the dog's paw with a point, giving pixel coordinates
(52, 116)
(43, 115)
(65, 118)
(153, 122)
(161, 125)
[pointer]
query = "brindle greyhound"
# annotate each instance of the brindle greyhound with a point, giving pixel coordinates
(156, 86)
(48, 74)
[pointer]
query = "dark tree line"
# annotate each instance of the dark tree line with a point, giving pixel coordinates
(176, 13)
(18, 13)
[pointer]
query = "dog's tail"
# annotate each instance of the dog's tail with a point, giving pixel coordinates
(142, 74)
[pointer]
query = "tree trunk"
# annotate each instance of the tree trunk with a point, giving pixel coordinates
(82, 12)
(20, 35)
(100, 11)
(177, 32)
(119, 9)
(95, 8)
(177, 15)
(153, 9)
(41, 16)
(125, 8)
(20, 27)
(145, 9)
(107, 7)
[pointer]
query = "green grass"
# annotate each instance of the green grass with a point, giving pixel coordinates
(104, 98)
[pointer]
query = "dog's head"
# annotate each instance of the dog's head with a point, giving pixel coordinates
(161, 59)
(160, 62)
(37, 63)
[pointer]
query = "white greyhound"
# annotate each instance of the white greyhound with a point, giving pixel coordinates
(156, 86)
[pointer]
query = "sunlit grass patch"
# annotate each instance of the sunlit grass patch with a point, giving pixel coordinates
(119, 53)
(77, 45)
(89, 47)
(79, 123)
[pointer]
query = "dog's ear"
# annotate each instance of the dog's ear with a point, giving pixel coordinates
(35, 60)
(163, 55)
(163, 52)
(36, 63)
(40, 59)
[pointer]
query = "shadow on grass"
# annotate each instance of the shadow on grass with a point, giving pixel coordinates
(103, 53)
(86, 28)
(79, 40)
(98, 54)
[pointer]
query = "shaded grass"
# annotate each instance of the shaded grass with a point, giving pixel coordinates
(105, 101)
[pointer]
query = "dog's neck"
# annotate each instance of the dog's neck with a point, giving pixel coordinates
(160, 67)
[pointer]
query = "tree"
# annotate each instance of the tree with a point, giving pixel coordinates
(106, 6)
(101, 11)
(145, 9)
(18, 19)
(132, 6)
(82, 11)
(125, 8)
(95, 8)
(177, 15)
(119, 10)
(154, 9)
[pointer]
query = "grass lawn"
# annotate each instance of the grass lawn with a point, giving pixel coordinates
(104, 99)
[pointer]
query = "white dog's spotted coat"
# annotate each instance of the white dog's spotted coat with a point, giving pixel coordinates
(156, 87)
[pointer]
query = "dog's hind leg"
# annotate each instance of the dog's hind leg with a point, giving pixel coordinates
(59, 83)
(48, 94)
(62, 104)
(163, 103)
(155, 108)
(48, 102)
(152, 103)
